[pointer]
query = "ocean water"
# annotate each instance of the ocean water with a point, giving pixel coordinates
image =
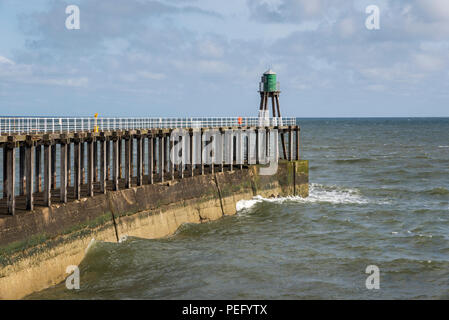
(379, 195)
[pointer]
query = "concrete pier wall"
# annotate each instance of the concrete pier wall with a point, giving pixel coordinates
(37, 246)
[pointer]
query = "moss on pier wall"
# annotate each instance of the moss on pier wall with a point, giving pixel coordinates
(36, 247)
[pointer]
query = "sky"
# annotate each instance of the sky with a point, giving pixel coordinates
(203, 58)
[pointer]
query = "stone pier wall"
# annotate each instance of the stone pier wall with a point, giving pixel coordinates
(37, 246)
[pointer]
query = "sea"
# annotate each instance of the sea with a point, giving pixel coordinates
(375, 226)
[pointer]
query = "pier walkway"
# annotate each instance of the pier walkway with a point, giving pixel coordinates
(65, 159)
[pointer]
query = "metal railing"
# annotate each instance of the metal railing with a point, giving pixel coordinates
(33, 125)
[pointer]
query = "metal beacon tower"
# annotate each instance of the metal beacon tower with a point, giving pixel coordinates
(269, 88)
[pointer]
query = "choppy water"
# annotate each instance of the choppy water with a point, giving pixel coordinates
(379, 196)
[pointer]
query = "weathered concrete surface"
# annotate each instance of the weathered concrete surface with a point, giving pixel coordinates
(36, 247)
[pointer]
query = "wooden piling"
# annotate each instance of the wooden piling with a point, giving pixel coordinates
(77, 166)
(128, 160)
(202, 151)
(131, 155)
(290, 144)
(95, 144)
(90, 167)
(47, 173)
(192, 157)
(120, 157)
(69, 163)
(103, 165)
(115, 163)
(172, 156)
(297, 143)
(5, 171)
(11, 177)
(150, 159)
(82, 162)
(53, 166)
(139, 160)
(108, 160)
(29, 159)
(63, 172)
(231, 152)
(22, 177)
(155, 154)
(181, 144)
(161, 157)
(38, 172)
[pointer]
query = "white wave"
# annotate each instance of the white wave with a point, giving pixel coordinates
(333, 195)
(317, 194)
(443, 146)
(246, 204)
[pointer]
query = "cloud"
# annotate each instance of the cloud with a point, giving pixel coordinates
(6, 61)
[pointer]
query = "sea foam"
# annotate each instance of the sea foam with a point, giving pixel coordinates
(317, 194)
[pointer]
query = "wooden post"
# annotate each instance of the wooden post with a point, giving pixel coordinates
(172, 155)
(103, 165)
(297, 143)
(166, 153)
(290, 144)
(11, 177)
(53, 166)
(82, 161)
(108, 159)
(143, 160)
(155, 153)
(69, 163)
(202, 151)
(38, 160)
(231, 151)
(239, 156)
(161, 157)
(257, 146)
(95, 143)
(131, 161)
(47, 173)
(150, 159)
(115, 163)
(5, 172)
(139, 160)
(128, 160)
(247, 149)
(211, 154)
(222, 149)
(192, 166)
(63, 172)
(22, 177)
(181, 144)
(77, 164)
(120, 150)
(90, 167)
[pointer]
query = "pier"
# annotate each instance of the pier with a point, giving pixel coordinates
(57, 160)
